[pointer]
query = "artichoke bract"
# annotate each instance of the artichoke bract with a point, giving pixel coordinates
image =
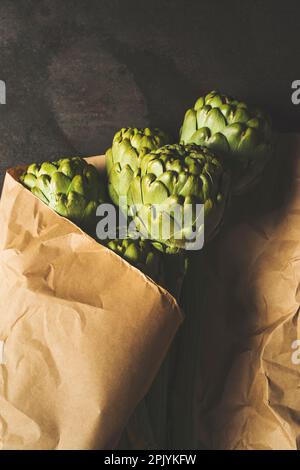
(177, 189)
(70, 186)
(123, 158)
(232, 129)
(140, 253)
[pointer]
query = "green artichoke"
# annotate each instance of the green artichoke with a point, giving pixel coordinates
(70, 186)
(152, 260)
(123, 158)
(167, 189)
(230, 128)
(140, 253)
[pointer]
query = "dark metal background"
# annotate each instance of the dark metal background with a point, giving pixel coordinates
(76, 71)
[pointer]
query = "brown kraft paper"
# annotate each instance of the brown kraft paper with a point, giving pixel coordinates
(249, 350)
(82, 332)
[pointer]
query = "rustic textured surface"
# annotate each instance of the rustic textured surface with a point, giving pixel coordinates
(77, 71)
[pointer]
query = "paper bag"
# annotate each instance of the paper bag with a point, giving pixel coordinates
(82, 332)
(240, 341)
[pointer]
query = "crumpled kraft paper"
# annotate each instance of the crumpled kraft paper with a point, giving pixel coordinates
(244, 318)
(83, 332)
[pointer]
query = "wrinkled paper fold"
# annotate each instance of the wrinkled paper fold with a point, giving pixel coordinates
(84, 333)
(248, 369)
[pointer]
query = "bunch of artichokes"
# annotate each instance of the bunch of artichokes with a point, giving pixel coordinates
(161, 184)
(234, 130)
(224, 145)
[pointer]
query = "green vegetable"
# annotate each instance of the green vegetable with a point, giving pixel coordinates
(232, 129)
(123, 158)
(140, 253)
(168, 187)
(70, 186)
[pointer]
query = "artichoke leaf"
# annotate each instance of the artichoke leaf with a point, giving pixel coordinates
(154, 192)
(189, 125)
